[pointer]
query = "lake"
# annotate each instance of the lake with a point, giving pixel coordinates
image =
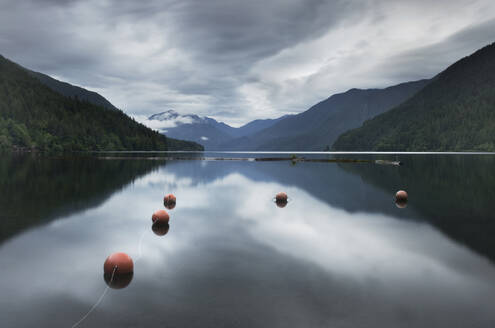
(340, 254)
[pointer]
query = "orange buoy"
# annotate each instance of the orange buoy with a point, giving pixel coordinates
(160, 228)
(401, 199)
(169, 201)
(120, 262)
(160, 215)
(281, 199)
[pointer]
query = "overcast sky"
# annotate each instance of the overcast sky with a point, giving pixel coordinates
(239, 60)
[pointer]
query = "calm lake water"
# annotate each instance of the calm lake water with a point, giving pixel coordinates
(340, 254)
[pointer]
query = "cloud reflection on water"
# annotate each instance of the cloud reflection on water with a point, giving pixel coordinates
(231, 254)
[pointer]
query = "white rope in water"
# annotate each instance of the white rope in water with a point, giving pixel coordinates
(97, 302)
(110, 282)
(140, 243)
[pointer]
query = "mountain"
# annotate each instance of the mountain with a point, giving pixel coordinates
(455, 112)
(318, 127)
(33, 116)
(72, 91)
(203, 130)
(257, 126)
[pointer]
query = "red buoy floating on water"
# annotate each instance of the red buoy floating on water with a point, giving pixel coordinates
(401, 199)
(160, 215)
(118, 270)
(160, 228)
(169, 201)
(281, 199)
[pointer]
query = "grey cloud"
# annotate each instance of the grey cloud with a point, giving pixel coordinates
(196, 56)
(427, 61)
(224, 38)
(254, 28)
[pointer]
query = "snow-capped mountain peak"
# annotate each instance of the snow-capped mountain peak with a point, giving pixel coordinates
(171, 118)
(164, 116)
(173, 115)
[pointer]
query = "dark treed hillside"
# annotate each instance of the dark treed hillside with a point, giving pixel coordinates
(72, 91)
(33, 116)
(455, 112)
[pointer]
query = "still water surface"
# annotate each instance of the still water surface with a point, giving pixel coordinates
(340, 254)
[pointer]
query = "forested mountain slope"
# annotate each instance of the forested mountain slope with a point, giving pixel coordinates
(455, 112)
(33, 116)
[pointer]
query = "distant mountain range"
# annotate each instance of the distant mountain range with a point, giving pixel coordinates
(455, 112)
(204, 130)
(41, 113)
(315, 129)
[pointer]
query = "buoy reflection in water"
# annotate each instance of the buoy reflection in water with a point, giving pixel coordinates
(401, 198)
(118, 281)
(169, 201)
(281, 199)
(160, 228)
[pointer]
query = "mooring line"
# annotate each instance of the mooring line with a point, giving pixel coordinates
(140, 243)
(97, 302)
